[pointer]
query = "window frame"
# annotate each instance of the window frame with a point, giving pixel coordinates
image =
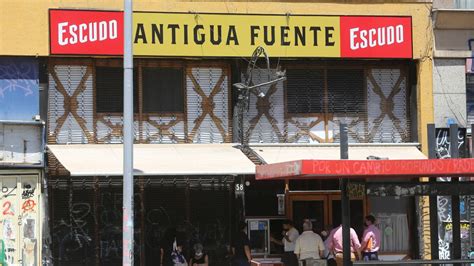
(147, 64)
(325, 68)
(112, 62)
(138, 67)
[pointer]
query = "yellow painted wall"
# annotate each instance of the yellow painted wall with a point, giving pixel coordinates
(24, 23)
(24, 27)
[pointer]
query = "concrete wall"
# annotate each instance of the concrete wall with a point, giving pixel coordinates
(450, 4)
(453, 39)
(449, 91)
(444, 3)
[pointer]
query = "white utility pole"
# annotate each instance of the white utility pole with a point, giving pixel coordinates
(127, 238)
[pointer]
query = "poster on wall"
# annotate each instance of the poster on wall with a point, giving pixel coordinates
(87, 32)
(19, 89)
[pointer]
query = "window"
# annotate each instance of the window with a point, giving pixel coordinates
(318, 90)
(346, 90)
(464, 4)
(470, 98)
(163, 90)
(109, 90)
(305, 90)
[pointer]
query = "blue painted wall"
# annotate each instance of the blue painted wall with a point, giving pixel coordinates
(19, 89)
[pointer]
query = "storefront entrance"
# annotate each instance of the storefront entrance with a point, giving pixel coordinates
(324, 209)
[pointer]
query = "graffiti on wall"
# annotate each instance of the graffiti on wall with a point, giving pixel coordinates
(9, 210)
(443, 143)
(443, 149)
(18, 225)
(444, 215)
(29, 214)
(90, 229)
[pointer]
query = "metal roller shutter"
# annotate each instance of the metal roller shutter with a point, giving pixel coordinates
(207, 93)
(211, 222)
(309, 106)
(388, 105)
(71, 104)
(264, 121)
(72, 223)
(347, 103)
(305, 91)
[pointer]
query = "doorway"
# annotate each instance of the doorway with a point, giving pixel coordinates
(324, 210)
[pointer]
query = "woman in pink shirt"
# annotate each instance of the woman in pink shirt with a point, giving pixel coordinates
(335, 244)
(371, 239)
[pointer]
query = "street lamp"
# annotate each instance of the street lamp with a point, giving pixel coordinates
(244, 88)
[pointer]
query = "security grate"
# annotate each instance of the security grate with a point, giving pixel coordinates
(308, 107)
(85, 102)
(71, 104)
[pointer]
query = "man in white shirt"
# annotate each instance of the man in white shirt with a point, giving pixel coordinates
(309, 246)
(290, 234)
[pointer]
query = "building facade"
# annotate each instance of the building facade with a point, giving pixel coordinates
(452, 94)
(195, 156)
(21, 162)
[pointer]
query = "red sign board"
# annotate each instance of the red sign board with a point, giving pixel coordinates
(81, 32)
(334, 169)
(376, 37)
(88, 32)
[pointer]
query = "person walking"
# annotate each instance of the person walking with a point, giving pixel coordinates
(241, 247)
(290, 234)
(335, 244)
(371, 239)
(309, 246)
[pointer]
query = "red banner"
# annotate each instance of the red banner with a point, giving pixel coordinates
(376, 37)
(334, 169)
(86, 32)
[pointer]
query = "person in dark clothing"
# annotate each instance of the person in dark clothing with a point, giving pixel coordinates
(241, 247)
(199, 258)
(167, 247)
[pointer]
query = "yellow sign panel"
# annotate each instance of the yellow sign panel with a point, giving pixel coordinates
(179, 34)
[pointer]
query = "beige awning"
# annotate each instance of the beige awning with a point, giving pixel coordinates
(278, 153)
(154, 159)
